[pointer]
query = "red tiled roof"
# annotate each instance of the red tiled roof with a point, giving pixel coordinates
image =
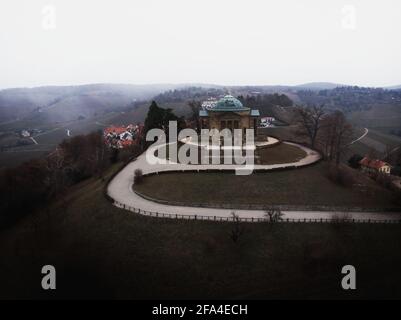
(126, 143)
(373, 163)
(113, 129)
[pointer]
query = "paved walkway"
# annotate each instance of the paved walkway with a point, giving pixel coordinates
(366, 131)
(268, 142)
(120, 189)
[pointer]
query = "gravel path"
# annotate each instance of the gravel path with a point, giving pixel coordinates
(120, 189)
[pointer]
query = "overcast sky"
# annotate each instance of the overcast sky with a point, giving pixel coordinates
(59, 42)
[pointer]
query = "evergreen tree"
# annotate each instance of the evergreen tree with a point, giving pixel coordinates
(159, 118)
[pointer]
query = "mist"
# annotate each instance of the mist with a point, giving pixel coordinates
(238, 42)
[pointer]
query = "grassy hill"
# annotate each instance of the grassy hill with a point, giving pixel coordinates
(380, 117)
(56, 111)
(105, 252)
(53, 114)
(69, 102)
(301, 188)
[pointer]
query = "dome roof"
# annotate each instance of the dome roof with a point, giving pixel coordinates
(229, 103)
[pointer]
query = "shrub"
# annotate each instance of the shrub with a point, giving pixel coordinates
(384, 180)
(354, 161)
(273, 214)
(340, 175)
(396, 171)
(237, 230)
(138, 176)
(340, 217)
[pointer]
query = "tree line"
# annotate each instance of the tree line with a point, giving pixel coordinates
(327, 131)
(36, 182)
(351, 98)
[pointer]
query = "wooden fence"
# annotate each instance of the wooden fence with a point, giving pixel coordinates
(243, 219)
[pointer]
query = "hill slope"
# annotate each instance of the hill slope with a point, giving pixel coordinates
(105, 252)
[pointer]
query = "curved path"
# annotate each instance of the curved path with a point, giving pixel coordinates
(366, 131)
(120, 190)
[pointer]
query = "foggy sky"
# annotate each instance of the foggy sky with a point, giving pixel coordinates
(58, 42)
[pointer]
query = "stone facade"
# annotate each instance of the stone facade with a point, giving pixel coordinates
(229, 113)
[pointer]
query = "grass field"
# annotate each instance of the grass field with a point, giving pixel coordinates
(12, 159)
(378, 116)
(280, 153)
(302, 187)
(375, 141)
(53, 134)
(389, 140)
(105, 252)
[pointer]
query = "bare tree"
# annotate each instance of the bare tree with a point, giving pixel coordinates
(273, 214)
(340, 217)
(337, 134)
(194, 117)
(138, 176)
(238, 230)
(56, 167)
(310, 121)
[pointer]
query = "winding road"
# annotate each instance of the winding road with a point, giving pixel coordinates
(120, 190)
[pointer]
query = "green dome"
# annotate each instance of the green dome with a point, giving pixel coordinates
(229, 103)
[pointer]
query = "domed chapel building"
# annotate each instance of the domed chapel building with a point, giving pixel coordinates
(229, 113)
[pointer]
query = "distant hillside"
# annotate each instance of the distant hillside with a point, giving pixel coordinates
(66, 103)
(319, 86)
(52, 114)
(365, 107)
(394, 87)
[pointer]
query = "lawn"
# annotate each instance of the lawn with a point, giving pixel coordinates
(105, 252)
(303, 187)
(280, 153)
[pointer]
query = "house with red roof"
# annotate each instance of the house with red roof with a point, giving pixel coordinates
(114, 130)
(374, 166)
(122, 137)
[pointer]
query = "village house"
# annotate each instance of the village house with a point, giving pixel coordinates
(122, 137)
(25, 134)
(374, 166)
